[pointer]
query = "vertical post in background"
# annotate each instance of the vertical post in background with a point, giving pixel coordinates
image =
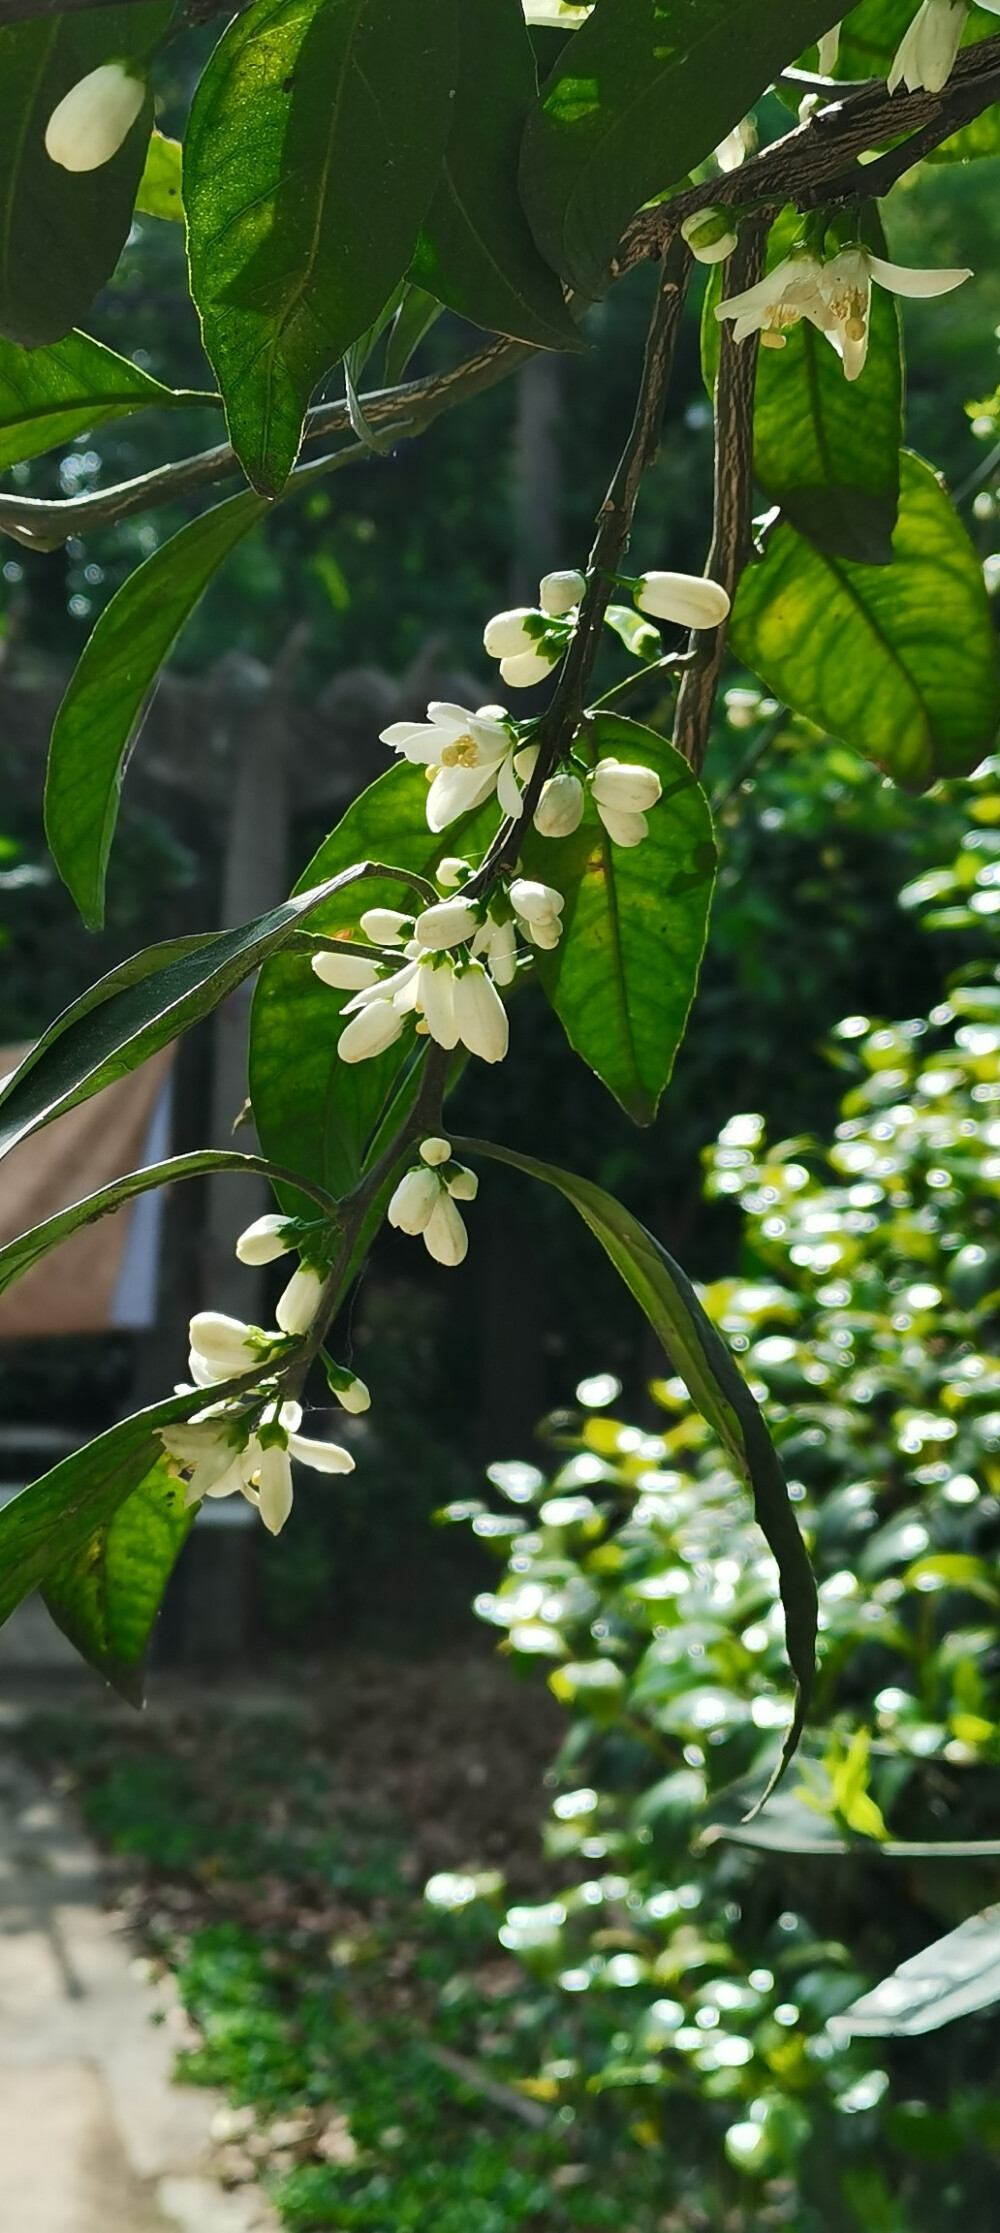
(537, 475)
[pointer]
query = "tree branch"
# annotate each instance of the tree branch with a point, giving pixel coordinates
(733, 501)
(34, 11)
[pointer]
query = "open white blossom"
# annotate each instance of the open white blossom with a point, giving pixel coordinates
(846, 289)
(88, 126)
(783, 297)
(471, 755)
(925, 57)
(208, 1456)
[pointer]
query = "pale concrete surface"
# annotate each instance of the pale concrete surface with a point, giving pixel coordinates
(94, 2137)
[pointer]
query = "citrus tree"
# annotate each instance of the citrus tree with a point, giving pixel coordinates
(349, 169)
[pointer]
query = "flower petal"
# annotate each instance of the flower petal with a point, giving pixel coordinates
(903, 279)
(456, 791)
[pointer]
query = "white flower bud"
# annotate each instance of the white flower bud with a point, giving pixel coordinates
(352, 1393)
(522, 671)
(445, 1237)
(623, 828)
(462, 1185)
(435, 1151)
(436, 1000)
(480, 1014)
(689, 600)
(223, 1341)
(370, 1032)
(298, 1305)
(385, 926)
(324, 1457)
(273, 1482)
(264, 1240)
(536, 903)
(345, 972)
(87, 127)
(544, 935)
(559, 594)
(451, 872)
(511, 632)
(560, 807)
(414, 1200)
(631, 790)
(448, 924)
(711, 235)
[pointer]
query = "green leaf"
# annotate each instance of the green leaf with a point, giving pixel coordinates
(952, 1978)
(827, 449)
(61, 232)
(623, 975)
(475, 250)
(641, 94)
(47, 396)
(135, 1010)
(312, 151)
(314, 1111)
(18, 1256)
(159, 193)
(898, 661)
(50, 1522)
(698, 1353)
(100, 713)
(106, 1595)
(417, 313)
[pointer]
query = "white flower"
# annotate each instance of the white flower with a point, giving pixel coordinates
(435, 998)
(204, 1454)
(445, 1237)
(450, 923)
(209, 1457)
(784, 296)
(345, 972)
(560, 806)
(496, 945)
(272, 1479)
(829, 48)
(264, 1240)
(323, 1457)
(518, 630)
(480, 1014)
(737, 145)
(414, 1199)
(846, 287)
(471, 753)
(926, 54)
(689, 600)
(711, 235)
(220, 1347)
(351, 1393)
(385, 926)
(298, 1304)
(89, 124)
(451, 872)
(435, 1151)
(538, 909)
(522, 670)
(462, 1185)
(370, 1032)
(627, 789)
(559, 594)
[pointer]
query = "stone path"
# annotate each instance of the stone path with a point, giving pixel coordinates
(94, 2138)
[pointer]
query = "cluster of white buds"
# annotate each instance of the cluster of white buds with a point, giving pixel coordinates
(531, 639)
(91, 122)
(440, 968)
(424, 1202)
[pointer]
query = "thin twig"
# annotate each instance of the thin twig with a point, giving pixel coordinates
(733, 499)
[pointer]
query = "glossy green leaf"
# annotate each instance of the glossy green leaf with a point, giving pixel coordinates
(639, 95)
(106, 698)
(476, 252)
(18, 1256)
(51, 1521)
(159, 193)
(952, 1978)
(899, 661)
(312, 152)
(134, 1011)
(623, 975)
(106, 1595)
(314, 1111)
(698, 1353)
(61, 232)
(48, 396)
(827, 449)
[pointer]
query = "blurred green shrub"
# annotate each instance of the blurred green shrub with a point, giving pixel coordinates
(865, 1311)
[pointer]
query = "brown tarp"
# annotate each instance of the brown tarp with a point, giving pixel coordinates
(72, 1291)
